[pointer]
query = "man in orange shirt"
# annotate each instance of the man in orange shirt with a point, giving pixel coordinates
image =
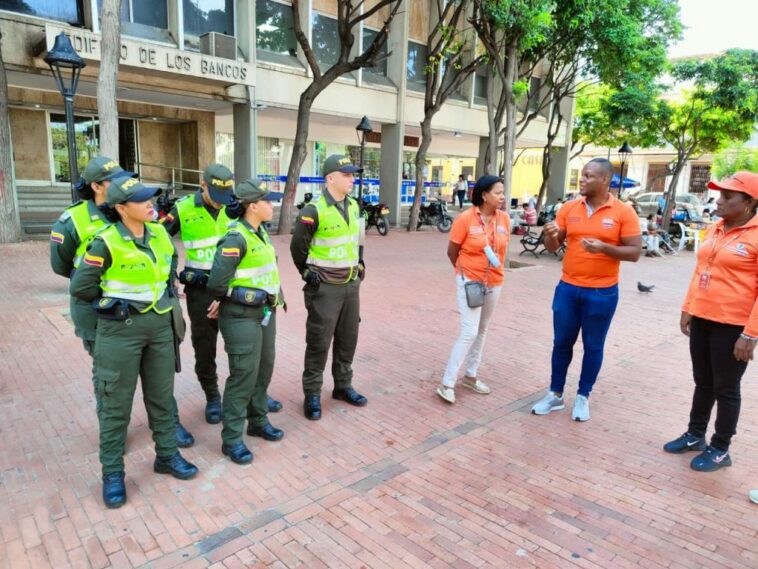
(601, 231)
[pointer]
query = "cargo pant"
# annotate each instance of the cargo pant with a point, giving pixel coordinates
(204, 333)
(333, 314)
(250, 347)
(142, 346)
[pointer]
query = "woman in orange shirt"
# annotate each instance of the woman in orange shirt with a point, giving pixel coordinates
(720, 316)
(478, 241)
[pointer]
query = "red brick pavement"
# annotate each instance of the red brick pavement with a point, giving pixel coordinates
(407, 482)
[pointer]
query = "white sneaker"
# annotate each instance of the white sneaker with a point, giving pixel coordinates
(551, 402)
(753, 496)
(476, 385)
(447, 393)
(581, 410)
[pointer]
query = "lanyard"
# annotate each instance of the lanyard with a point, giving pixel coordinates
(717, 250)
(484, 228)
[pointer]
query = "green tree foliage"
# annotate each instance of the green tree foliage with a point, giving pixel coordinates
(732, 160)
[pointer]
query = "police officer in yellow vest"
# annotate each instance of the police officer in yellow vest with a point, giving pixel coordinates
(326, 250)
(201, 220)
(127, 274)
(245, 282)
(75, 229)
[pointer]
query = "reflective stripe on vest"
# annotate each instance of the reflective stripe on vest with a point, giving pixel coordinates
(258, 268)
(335, 243)
(200, 232)
(85, 227)
(133, 275)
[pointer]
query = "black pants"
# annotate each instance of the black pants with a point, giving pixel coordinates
(717, 379)
(461, 196)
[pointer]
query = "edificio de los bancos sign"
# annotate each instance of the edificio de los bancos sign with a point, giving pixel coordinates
(160, 58)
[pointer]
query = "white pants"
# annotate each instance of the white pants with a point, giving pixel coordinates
(474, 322)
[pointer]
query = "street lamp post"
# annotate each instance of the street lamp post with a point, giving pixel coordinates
(625, 152)
(66, 66)
(363, 129)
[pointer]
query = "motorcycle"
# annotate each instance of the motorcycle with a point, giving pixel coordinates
(435, 213)
(374, 214)
(307, 198)
(165, 203)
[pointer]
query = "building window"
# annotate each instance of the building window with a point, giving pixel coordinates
(143, 18)
(275, 31)
(326, 41)
(381, 67)
(69, 11)
(416, 68)
(372, 158)
(700, 175)
(87, 129)
(480, 87)
(202, 16)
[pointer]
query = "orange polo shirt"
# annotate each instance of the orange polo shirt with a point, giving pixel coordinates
(729, 291)
(473, 236)
(608, 223)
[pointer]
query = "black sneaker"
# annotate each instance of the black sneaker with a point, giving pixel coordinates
(711, 460)
(685, 443)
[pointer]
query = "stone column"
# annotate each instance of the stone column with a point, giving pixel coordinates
(245, 114)
(393, 135)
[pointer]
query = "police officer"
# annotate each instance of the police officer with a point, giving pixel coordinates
(201, 220)
(325, 249)
(127, 273)
(75, 229)
(245, 282)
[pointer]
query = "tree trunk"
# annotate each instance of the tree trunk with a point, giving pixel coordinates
(671, 192)
(490, 161)
(299, 153)
(426, 141)
(10, 224)
(509, 144)
(107, 108)
(553, 127)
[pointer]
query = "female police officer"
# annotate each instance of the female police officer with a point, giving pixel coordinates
(128, 272)
(72, 233)
(69, 238)
(245, 282)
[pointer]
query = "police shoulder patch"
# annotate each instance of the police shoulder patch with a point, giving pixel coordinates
(307, 220)
(57, 237)
(230, 252)
(93, 260)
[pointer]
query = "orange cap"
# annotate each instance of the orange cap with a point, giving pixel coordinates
(744, 181)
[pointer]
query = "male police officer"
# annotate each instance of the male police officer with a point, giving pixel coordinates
(201, 221)
(325, 249)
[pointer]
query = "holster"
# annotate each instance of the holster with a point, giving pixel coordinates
(111, 308)
(248, 296)
(193, 278)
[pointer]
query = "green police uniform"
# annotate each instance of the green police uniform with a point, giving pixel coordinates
(118, 266)
(69, 238)
(200, 227)
(70, 235)
(131, 281)
(245, 264)
(326, 242)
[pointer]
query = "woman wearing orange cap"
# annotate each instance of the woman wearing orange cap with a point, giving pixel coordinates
(720, 316)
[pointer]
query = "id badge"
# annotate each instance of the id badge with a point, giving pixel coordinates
(705, 280)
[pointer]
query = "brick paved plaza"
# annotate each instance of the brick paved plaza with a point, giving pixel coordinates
(408, 481)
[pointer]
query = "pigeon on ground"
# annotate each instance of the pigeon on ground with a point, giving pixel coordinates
(644, 288)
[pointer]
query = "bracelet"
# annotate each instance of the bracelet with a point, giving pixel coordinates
(748, 338)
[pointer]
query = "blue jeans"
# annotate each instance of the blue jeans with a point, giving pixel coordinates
(591, 311)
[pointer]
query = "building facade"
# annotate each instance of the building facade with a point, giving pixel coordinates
(206, 80)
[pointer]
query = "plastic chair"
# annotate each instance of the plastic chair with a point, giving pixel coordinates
(689, 235)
